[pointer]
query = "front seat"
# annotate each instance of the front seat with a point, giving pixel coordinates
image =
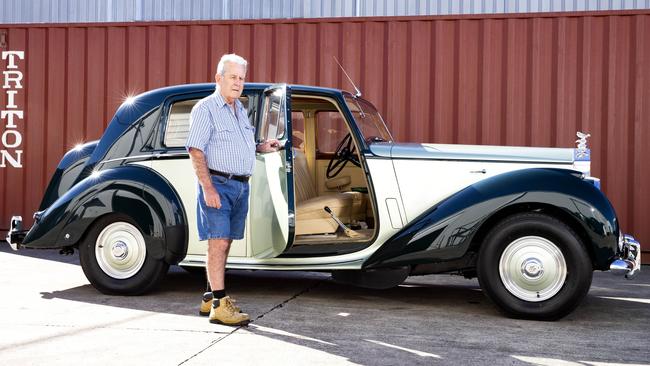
(311, 218)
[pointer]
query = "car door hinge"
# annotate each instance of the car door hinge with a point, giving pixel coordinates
(292, 220)
(288, 166)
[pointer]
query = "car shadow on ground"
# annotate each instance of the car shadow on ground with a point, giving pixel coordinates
(261, 291)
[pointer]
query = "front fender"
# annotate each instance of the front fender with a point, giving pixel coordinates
(135, 191)
(446, 231)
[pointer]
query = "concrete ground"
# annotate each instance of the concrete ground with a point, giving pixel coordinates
(49, 314)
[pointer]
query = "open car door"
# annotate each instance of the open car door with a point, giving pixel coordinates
(272, 207)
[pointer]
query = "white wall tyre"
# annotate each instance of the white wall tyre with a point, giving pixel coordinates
(115, 260)
(534, 266)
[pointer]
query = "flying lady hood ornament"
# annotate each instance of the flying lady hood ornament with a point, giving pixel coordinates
(582, 152)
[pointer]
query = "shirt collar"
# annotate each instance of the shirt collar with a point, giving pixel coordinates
(221, 101)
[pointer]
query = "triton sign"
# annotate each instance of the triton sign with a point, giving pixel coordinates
(10, 114)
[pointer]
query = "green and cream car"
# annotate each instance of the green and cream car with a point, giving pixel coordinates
(340, 196)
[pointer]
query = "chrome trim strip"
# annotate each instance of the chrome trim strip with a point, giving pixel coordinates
(274, 264)
(482, 153)
(146, 157)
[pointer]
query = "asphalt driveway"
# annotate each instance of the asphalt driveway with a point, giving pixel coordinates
(49, 314)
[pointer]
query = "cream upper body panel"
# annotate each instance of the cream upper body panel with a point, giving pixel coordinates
(429, 173)
(424, 183)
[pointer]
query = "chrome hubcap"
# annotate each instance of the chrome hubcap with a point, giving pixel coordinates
(532, 268)
(120, 250)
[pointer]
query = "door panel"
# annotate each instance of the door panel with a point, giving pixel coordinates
(269, 219)
(272, 204)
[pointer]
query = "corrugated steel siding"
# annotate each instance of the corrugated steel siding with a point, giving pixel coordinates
(77, 11)
(511, 80)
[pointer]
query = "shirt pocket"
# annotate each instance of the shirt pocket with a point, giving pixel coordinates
(223, 127)
(250, 131)
(223, 132)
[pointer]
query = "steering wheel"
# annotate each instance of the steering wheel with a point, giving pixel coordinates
(346, 151)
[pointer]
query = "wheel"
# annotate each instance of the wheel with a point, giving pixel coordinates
(534, 266)
(114, 258)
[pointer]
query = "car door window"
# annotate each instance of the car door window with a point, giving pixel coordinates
(273, 122)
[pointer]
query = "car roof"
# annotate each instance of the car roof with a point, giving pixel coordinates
(162, 93)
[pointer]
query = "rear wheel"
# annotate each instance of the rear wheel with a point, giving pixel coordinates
(115, 260)
(534, 266)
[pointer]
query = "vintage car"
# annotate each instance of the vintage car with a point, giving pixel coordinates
(339, 196)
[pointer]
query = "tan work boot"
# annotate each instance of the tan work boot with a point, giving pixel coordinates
(206, 304)
(226, 313)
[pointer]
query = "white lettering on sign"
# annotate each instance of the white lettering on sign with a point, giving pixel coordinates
(11, 113)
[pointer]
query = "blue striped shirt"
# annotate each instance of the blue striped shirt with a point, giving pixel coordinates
(228, 141)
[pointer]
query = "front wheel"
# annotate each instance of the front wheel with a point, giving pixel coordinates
(534, 266)
(114, 258)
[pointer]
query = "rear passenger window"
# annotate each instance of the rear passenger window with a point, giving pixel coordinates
(178, 121)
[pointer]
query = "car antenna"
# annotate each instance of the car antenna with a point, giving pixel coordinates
(358, 92)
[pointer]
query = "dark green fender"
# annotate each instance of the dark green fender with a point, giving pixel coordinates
(135, 191)
(451, 231)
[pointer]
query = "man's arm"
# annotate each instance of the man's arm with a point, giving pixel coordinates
(200, 165)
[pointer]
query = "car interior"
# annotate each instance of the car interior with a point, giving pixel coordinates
(327, 174)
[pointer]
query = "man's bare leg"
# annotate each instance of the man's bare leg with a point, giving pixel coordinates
(223, 311)
(216, 263)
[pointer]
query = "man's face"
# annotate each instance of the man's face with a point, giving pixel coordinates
(231, 84)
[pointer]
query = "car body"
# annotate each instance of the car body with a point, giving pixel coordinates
(531, 223)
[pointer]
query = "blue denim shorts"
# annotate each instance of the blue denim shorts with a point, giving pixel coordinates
(229, 221)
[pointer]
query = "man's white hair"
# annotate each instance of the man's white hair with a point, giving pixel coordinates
(231, 57)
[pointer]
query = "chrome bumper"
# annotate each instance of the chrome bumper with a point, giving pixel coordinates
(16, 233)
(628, 262)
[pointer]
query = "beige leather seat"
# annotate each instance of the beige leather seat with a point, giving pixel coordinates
(311, 218)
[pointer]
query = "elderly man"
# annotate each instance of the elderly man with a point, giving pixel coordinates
(222, 147)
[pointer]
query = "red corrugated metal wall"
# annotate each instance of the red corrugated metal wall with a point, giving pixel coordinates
(531, 79)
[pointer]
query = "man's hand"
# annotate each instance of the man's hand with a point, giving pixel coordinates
(267, 146)
(211, 197)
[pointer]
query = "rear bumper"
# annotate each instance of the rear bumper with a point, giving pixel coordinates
(16, 233)
(628, 261)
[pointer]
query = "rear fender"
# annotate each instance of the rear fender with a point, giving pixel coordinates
(135, 191)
